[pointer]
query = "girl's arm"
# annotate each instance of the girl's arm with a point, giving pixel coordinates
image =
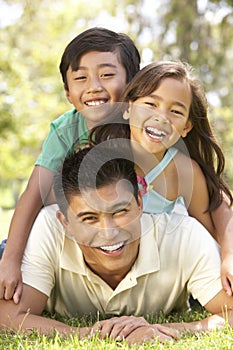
(223, 221)
(219, 223)
(27, 208)
(196, 197)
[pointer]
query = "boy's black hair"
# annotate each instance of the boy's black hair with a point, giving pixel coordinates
(102, 40)
(94, 167)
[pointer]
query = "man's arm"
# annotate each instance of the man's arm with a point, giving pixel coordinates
(221, 308)
(27, 315)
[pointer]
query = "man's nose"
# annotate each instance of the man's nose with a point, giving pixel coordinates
(108, 228)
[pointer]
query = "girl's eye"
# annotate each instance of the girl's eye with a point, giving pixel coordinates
(177, 112)
(151, 104)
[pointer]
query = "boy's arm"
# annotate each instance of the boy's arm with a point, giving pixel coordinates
(28, 206)
(27, 315)
(223, 221)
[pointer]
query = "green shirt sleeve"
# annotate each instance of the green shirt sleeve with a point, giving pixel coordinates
(65, 132)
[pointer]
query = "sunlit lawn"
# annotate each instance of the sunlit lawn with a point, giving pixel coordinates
(218, 339)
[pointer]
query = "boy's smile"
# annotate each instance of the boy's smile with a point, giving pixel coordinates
(98, 82)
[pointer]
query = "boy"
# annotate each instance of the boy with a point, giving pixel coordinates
(95, 68)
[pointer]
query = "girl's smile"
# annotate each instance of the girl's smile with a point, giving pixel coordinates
(157, 121)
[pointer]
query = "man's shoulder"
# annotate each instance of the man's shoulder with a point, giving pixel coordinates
(173, 223)
(47, 216)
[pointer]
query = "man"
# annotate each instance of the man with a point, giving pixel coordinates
(104, 256)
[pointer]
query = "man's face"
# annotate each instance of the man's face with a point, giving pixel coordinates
(106, 225)
(96, 84)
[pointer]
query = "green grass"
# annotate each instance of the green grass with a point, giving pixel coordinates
(218, 339)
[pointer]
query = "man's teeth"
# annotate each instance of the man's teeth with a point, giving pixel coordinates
(155, 132)
(95, 103)
(111, 248)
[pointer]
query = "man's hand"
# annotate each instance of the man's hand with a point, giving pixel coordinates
(152, 333)
(118, 327)
(133, 329)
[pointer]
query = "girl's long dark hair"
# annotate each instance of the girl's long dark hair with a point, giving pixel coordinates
(200, 141)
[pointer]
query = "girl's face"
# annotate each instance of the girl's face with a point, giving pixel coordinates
(157, 121)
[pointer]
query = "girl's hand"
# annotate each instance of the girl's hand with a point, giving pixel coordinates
(227, 274)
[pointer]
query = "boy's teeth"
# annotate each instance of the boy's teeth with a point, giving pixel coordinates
(112, 247)
(95, 103)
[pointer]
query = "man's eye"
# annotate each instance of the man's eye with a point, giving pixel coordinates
(89, 219)
(120, 212)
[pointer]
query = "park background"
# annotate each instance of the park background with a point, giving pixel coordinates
(34, 34)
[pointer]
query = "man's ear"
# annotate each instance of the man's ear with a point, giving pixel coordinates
(65, 223)
(187, 128)
(61, 217)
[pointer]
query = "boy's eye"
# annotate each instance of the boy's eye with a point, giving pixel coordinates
(81, 77)
(106, 75)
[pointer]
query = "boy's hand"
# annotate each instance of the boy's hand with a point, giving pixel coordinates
(227, 274)
(11, 284)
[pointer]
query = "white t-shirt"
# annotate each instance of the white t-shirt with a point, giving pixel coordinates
(177, 257)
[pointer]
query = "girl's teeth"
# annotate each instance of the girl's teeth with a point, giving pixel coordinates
(155, 132)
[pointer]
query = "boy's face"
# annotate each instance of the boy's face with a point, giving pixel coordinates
(99, 81)
(106, 225)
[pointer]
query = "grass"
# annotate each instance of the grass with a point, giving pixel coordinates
(217, 339)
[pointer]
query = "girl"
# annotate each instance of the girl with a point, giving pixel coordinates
(177, 158)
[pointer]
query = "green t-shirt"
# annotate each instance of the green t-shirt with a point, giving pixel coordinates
(66, 133)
